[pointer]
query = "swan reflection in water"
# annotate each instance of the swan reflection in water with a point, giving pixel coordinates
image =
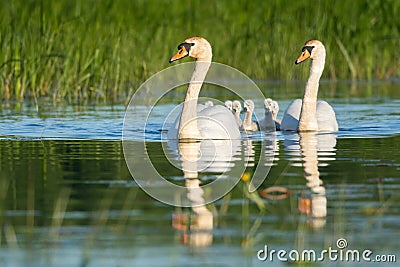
(209, 156)
(312, 148)
(215, 159)
(197, 226)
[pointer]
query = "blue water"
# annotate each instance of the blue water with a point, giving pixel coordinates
(109, 221)
(356, 120)
(63, 123)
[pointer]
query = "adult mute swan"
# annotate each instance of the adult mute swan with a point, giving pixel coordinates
(196, 123)
(308, 114)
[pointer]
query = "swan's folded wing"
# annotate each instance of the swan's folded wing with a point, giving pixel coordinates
(219, 122)
(326, 117)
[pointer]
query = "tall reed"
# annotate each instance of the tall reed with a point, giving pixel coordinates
(102, 50)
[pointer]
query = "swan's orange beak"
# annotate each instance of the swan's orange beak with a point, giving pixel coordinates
(304, 55)
(182, 52)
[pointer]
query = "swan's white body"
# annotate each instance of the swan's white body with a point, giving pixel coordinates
(326, 117)
(209, 121)
(308, 114)
(194, 123)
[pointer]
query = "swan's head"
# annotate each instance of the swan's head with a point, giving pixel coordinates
(228, 104)
(237, 106)
(271, 106)
(313, 49)
(195, 47)
(249, 105)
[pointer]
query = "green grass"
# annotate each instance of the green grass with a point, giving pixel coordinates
(91, 50)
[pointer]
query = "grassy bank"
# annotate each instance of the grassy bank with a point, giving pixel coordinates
(103, 50)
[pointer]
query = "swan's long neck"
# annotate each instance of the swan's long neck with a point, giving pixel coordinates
(308, 115)
(247, 118)
(188, 128)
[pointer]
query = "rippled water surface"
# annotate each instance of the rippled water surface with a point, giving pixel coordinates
(67, 197)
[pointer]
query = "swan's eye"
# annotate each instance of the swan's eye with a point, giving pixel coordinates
(308, 48)
(186, 46)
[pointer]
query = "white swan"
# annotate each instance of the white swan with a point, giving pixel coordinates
(308, 114)
(248, 124)
(237, 108)
(215, 122)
